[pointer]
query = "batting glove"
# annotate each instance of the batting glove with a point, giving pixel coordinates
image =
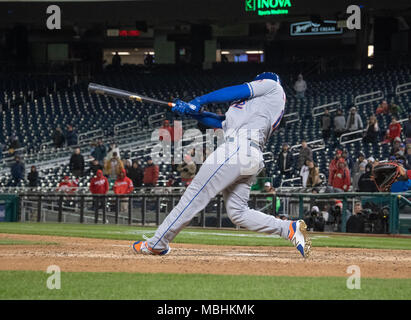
(183, 108)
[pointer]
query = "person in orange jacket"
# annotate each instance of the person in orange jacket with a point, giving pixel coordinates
(123, 185)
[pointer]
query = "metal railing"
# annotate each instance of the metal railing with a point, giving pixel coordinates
(332, 107)
(89, 136)
(368, 97)
(156, 118)
(291, 117)
(403, 88)
(319, 145)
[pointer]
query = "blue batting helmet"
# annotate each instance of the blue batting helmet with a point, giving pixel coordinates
(268, 75)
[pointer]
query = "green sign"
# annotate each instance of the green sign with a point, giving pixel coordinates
(268, 7)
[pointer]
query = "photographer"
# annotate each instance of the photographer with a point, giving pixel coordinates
(314, 220)
(356, 223)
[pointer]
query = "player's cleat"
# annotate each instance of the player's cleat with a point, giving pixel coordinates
(297, 234)
(141, 247)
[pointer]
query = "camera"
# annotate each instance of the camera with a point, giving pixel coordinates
(314, 220)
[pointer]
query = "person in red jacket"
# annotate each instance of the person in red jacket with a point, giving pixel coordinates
(333, 166)
(67, 186)
(151, 173)
(99, 185)
(123, 185)
(394, 130)
(163, 132)
(341, 179)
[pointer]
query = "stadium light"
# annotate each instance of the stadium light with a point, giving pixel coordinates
(254, 52)
(225, 52)
(370, 50)
(122, 53)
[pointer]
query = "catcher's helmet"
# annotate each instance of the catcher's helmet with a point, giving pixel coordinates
(268, 75)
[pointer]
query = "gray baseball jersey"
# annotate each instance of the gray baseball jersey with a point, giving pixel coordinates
(232, 167)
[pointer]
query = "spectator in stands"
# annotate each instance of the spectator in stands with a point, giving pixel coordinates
(407, 127)
(187, 170)
(346, 156)
(395, 109)
(99, 183)
(113, 166)
(163, 132)
(68, 185)
(354, 121)
(365, 183)
(326, 125)
(58, 138)
(397, 145)
(1, 151)
(99, 152)
(383, 108)
(358, 170)
(94, 166)
(305, 154)
(136, 174)
(304, 172)
(341, 178)
(127, 165)
(339, 123)
(17, 171)
(372, 130)
(300, 87)
(151, 173)
(33, 177)
(123, 185)
(285, 160)
(268, 188)
(71, 136)
(113, 149)
(334, 166)
(313, 179)
(394, 131)
(77, 163)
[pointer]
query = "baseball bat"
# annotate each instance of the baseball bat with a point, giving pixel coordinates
(123, 94)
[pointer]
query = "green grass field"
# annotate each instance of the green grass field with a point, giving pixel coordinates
(140, 286)
(144, 286)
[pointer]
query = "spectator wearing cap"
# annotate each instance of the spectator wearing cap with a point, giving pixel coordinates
(326, 124)
(394, 131)
(305, 154)
(333, 166)
(358, 169)
(354, 121)
(268, 188)
(285, 161)
(365, 182)
(339, 123)
(151, 174)
(136, 174)
(341, 178)
(372, 130)
(371, 160)
(407, 127)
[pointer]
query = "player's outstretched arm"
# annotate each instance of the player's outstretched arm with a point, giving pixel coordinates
(227, 94)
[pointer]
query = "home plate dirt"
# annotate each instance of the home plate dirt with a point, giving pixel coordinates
(98, 255)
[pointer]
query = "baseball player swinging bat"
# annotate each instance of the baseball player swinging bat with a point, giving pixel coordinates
(256, 110)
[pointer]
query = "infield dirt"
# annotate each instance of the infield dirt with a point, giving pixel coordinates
(96, 255)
